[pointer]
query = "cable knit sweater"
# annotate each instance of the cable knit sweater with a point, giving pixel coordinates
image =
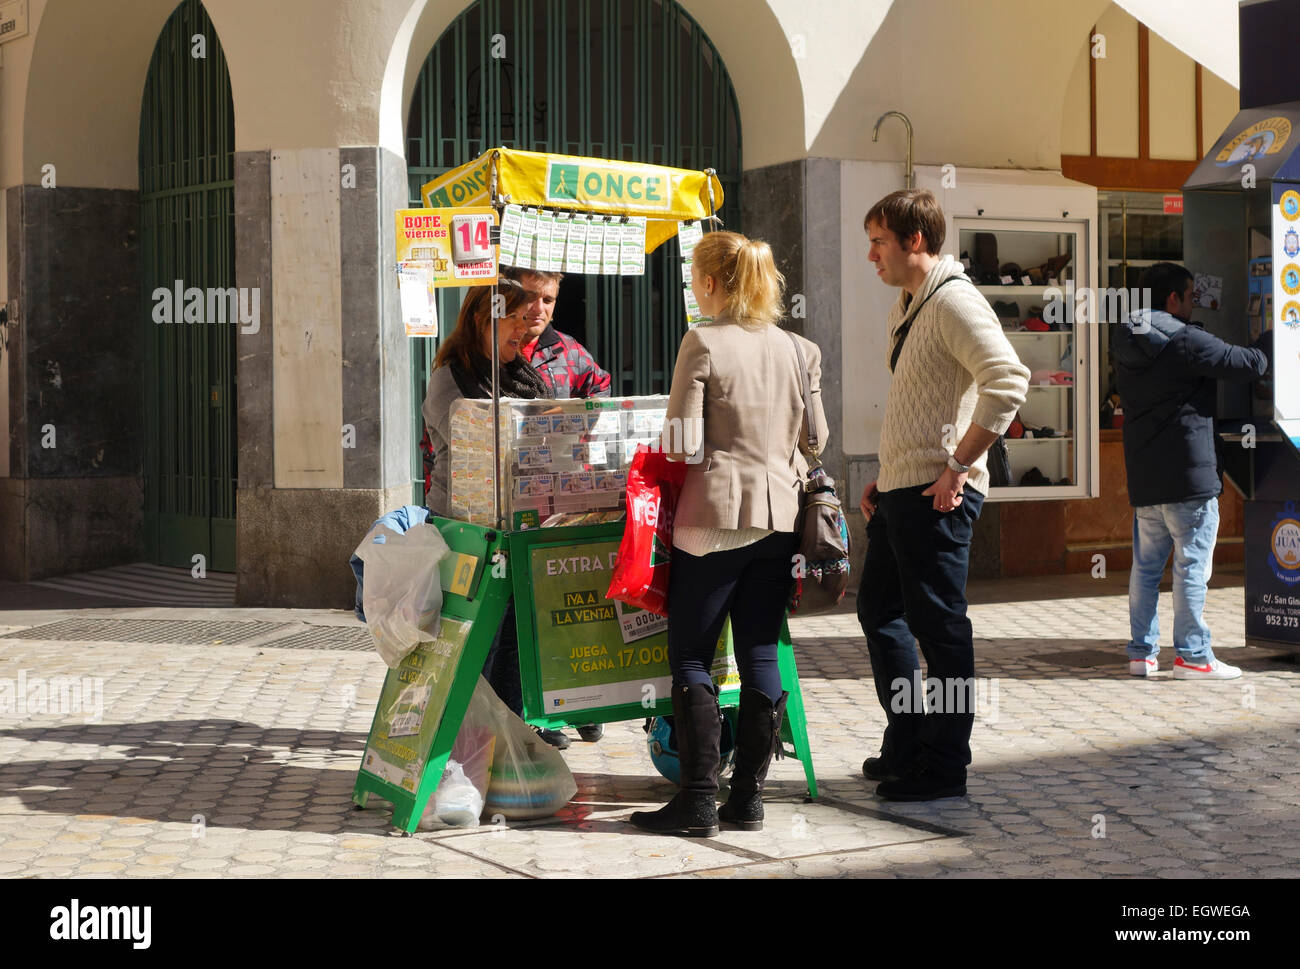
(957, 367)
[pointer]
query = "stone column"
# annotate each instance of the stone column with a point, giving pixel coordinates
(325, 404)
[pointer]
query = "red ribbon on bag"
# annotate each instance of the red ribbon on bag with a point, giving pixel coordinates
(641, 569)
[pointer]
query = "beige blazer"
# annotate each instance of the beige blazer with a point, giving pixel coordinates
(735, 414)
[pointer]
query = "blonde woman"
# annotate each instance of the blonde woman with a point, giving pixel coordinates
(736, 416)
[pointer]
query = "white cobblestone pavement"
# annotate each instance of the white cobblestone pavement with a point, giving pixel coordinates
(237, 760)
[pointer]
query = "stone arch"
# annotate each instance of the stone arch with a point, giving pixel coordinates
(87, 71)
(763, 72)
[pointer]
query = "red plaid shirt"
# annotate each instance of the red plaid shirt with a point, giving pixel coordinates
(566, 366)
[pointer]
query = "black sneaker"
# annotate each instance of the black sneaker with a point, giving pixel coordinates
(592, 732)
(553, 737)
(923, 785)
(879, 769)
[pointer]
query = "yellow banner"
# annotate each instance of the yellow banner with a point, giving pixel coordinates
(467, 185)
(665, 196)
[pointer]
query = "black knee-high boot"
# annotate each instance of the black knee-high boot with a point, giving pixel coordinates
(758, 738)
(694, 811)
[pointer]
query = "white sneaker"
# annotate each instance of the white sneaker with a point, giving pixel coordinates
(1214, 670)
(1142, 667)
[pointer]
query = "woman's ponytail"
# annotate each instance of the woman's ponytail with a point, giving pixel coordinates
(747, 273)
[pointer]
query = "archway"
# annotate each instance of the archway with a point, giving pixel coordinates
(187, 241)
(631, 79)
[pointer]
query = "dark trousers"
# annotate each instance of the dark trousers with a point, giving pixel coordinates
(914, 585)
(501, 668)
(752, 585)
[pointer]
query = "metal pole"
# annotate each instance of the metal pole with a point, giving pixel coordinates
(708, 180)
(496, 379)
(496, 412)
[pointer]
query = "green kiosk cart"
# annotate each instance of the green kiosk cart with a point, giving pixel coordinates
(583, 659)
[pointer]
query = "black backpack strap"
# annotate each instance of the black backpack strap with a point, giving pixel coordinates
(906, 328)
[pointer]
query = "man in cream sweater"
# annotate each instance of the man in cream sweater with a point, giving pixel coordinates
(957, 384)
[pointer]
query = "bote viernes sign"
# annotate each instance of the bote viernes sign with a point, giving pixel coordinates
(425, 239)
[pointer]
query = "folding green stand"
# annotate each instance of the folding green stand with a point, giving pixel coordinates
(577, 650)
(425, 699)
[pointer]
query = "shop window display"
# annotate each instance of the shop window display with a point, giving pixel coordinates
(1018, 270)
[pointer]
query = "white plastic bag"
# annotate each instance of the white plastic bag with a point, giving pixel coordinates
(498, 765)
(402, 596)
(457, 802)
(528, 778)
(476, 741)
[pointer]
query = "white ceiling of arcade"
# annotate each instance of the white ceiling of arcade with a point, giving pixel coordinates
(984, 82)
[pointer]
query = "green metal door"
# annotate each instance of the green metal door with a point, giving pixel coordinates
(635, 80)
(187, 234)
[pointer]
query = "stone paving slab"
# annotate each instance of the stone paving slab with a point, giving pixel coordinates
(233, 761)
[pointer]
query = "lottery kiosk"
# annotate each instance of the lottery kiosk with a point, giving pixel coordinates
(1242, 242)
(538, 485)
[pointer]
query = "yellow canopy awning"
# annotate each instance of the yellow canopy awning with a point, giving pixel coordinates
(665, 196)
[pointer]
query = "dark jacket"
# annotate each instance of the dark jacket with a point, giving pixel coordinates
(1166, 370)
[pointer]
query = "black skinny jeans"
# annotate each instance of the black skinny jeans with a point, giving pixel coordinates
(752, 585)
(914, 584)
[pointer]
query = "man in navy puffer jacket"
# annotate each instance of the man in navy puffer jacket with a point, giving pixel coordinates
(1167, 367)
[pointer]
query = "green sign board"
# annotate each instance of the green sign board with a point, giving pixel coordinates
(411, 707)
(591, 652)
(424, 700)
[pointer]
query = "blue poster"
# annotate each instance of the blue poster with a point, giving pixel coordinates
(1273, 571)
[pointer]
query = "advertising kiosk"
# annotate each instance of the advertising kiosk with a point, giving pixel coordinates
(1242, 242)
(583, 658)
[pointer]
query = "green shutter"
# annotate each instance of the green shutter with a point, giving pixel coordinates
(187, 232)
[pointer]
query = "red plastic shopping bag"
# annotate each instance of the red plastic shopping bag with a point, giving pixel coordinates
(641, 570)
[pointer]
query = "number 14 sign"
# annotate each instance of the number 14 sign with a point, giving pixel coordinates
(453, 245)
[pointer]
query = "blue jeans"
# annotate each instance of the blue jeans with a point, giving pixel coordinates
(1188, 529)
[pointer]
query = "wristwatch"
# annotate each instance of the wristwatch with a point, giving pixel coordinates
(957, 465)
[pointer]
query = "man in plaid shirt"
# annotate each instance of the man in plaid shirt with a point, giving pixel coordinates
(567, 367)
(563, 362)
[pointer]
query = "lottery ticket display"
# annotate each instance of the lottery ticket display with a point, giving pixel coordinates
(573, 242)
(562, 460)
